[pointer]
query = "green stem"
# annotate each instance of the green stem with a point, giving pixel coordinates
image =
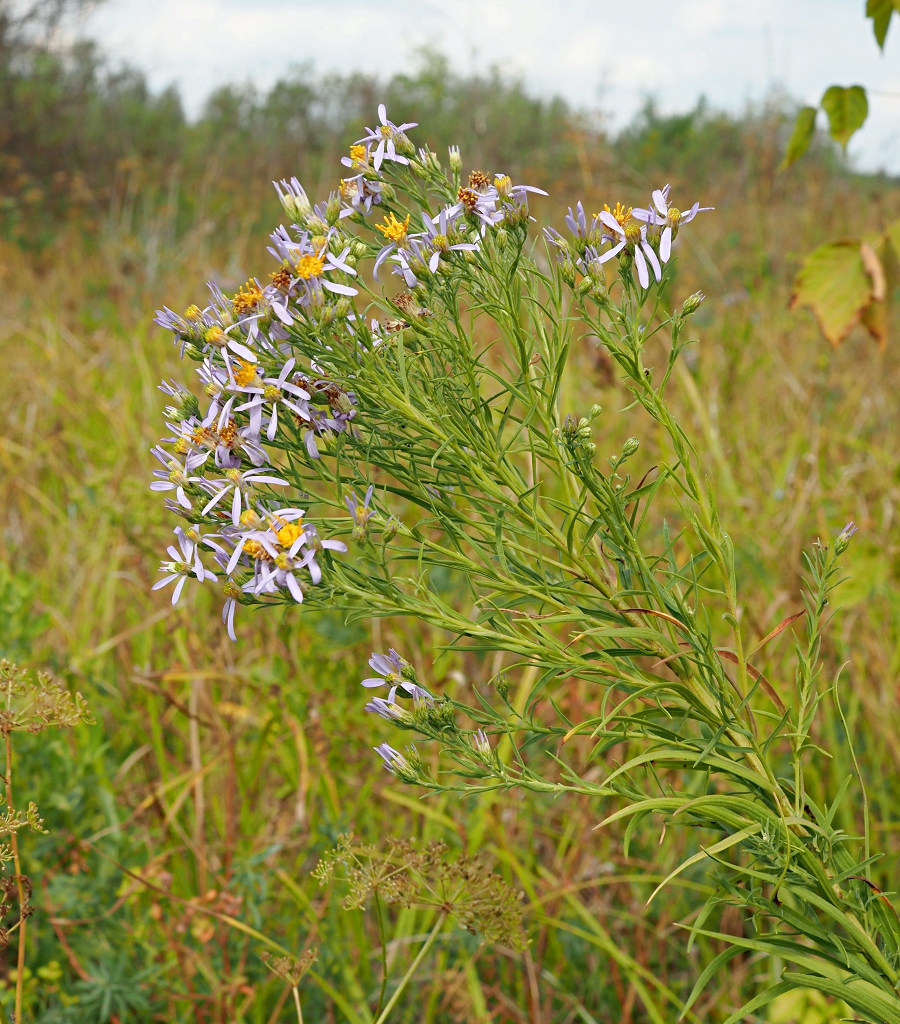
(413, 967)
(384, 966)
(14, 843)
(297, 1004)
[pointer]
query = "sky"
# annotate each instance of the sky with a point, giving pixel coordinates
(607, 55)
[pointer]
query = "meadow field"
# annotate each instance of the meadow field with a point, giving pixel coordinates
(184, 825)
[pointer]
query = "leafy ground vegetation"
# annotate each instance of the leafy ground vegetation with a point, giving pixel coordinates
(190, 829)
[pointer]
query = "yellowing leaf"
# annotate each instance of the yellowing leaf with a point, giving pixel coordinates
(833, 282)
(847, 109)
(801, 136)
(892, 235)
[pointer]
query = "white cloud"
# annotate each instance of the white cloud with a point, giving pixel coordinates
(730, 51)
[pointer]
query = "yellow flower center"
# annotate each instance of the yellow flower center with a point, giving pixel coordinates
(440, 243)
(249, 297)
(192, 313)
(619, 213)
(468, 198)
(503, 185)
(244, 373)
(309, 266)
(394, 230)
(228, 434)
(289, 533)
(281, 278)
(272, 394)
(214, 336)
(479, 181)
(255, 550)
(205, 437)
(673, 217)
(358, 153)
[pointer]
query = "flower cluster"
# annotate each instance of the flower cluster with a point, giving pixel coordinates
(221, 468)
(641, 237)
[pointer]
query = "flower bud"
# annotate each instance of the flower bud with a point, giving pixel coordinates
(359, 249)
(842, 541)
(455, 160)
(343, 307)
(630, 447)
(333, 209)
(390, 529)
(193, 351)
(501, 236)
(594, 412)
(403, 145)
(585, 287)
(567, 271)
(692, 304)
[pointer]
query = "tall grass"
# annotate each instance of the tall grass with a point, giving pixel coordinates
(217, 775)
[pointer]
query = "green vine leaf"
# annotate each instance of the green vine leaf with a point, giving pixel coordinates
(880, 12)
(801, 136)
(847, 109)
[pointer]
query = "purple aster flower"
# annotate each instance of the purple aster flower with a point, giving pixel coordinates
(392, 670)
(241, 485)
(397, 764)
(389, 711)
(660, 215)
(174, 477)
(185, 563)
(361, 512)
(634, 235)
(275, 391)
(316, 545)
(385, 137)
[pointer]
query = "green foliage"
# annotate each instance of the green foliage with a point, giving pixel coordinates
(798, 441)
(880, 12)
(801, 136)
(21, 625)
(847, 109)
(455, 431)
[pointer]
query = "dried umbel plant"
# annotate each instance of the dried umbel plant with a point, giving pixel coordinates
(460, 888)
(435, 429)
(33, 706)
(291, 971)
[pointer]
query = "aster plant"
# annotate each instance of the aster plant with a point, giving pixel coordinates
(412, 343)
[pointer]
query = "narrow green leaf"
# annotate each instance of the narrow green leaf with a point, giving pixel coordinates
(801, 136)
(726, 956)
(719, 847)
(847, 109)
(761, 1000)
